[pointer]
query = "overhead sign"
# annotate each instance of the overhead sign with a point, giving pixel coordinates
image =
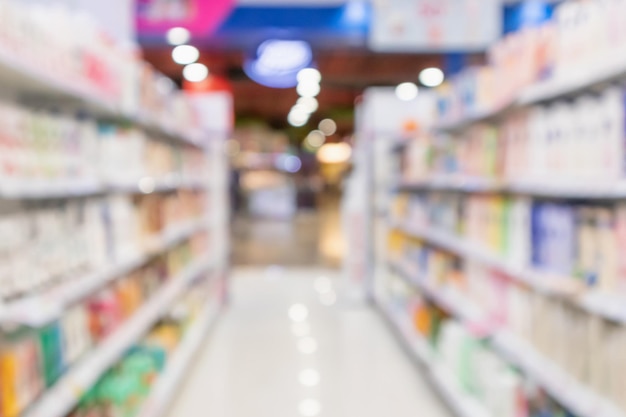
(435, 25)
(201, 17)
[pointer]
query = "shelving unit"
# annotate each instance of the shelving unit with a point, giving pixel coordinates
(169, 381)
(65, 394)
(180, 149)
(460, 403)
(41, 309)
(501, 158)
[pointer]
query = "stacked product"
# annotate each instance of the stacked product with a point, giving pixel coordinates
(38, 147)
(31, 360)
(124, 389)
(78, 56)
(49, 243)
(476, 368)
(584, 38)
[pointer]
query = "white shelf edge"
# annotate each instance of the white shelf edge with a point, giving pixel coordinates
(43, 308)
(59, 400)
(60, 189)
(587, 190)
(166, 387)
(462, 404)
(558, 383)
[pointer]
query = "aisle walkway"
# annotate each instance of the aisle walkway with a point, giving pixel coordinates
(287, 347)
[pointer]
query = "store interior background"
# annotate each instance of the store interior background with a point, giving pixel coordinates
(279, 207)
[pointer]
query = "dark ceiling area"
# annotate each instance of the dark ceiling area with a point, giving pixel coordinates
(346, 73)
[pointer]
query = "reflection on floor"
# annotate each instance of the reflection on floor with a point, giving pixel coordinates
(289, 346)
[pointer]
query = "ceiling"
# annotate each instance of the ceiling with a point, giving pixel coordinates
(337, 31)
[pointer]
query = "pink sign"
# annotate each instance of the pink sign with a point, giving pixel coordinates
(201, 17)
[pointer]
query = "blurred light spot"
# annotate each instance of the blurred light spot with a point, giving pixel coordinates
(432, 77)
(310, 104)
(407, 91)
(307, 345)
(309, 408)
(147, 185)
(289, 163)
(309, 377)
(178, 36)
(315, 139)
(334, 153)
(328, 127)
(280, 56)
(308, 89)
(185, 54)
(309, 76)
(356, 12)
(323, 285)
(298, 313)
(195, 72)
(297, 119)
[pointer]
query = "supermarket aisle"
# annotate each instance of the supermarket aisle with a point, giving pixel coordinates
(287, 347)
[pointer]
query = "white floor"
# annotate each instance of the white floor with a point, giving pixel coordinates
(329, 359)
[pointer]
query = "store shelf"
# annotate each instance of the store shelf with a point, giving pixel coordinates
(40, 309)
(59, 400)
(488, 115)
(558, 383)
(447, 299)
(166, 387)
(65, 189)
(574, 189)
(578, 80)
(540, 281)
(38, 85)
(438, 375)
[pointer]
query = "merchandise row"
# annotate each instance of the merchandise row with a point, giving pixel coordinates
(129, 387)
(505, 304)
(568, 141)
(33, 360)
(565, 240)
(584, 38)
(82, 62)
(38, 146)
(47, 244)
(476, 368)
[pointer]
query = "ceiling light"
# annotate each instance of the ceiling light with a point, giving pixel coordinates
(297, 119)
(315, 139)
(178, 36)
(334, 153)
(308, 89)
(309, 103)
(328, 127)
(407, 91)
(185, 54)
(195, 72)
(432, 77)
(309, 75)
